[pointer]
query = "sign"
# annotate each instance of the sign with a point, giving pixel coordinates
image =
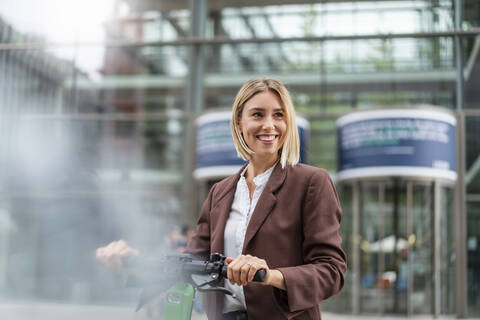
(397, 142)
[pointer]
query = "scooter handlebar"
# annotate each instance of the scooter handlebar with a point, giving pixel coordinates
(259, 276)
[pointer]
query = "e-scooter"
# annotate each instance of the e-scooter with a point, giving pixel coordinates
(175, 278)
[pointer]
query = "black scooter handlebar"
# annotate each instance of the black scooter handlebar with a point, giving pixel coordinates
(185, 264)
(157, 275)
(259, 276)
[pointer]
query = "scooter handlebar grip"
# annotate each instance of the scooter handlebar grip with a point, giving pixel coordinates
(259, 276)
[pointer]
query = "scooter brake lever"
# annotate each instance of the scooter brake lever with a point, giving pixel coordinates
(209, 288)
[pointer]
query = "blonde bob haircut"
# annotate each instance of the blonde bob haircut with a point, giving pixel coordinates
(290, 150)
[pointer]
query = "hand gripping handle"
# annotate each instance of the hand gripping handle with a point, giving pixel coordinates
(259, 276)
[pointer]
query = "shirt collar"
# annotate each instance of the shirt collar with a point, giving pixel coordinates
(262, 178)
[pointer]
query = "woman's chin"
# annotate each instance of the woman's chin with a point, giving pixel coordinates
(266, 155)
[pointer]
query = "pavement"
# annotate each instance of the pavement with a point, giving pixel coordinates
(334, 316)
(54, 311)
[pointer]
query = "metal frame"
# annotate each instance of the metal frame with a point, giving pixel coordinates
(228, 40)
(460, 223)
(381, 262)
(460, 219)
(436, 250)
(409, 253)
(195, 100)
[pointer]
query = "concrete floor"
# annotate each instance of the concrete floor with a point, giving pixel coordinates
(332, 316)
(52, 311)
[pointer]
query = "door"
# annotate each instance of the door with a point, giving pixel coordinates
(397, 247)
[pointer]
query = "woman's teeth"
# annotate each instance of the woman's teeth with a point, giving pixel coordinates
(266, 138)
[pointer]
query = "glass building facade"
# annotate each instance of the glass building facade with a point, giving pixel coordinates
(97, 141)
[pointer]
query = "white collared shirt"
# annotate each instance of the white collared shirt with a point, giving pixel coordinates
(236, 228)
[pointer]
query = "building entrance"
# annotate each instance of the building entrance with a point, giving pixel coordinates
(397, 172)
(403, 250)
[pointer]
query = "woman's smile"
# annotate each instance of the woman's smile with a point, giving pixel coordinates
(267, 138)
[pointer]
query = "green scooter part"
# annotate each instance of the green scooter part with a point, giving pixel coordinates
(178, 302)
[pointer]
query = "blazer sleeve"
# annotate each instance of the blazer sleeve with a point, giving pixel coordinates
(322, 274)
(199, 244)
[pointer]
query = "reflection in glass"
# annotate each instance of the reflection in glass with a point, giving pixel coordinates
(421, 241)
(473, 250)
(370, 223)
(355, 57)
(397, 247)
(447, 252)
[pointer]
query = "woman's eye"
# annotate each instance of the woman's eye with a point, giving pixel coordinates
(279, 114)
(257, 115)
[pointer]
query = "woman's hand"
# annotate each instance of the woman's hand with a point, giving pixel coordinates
(112, 254)
(242, 269)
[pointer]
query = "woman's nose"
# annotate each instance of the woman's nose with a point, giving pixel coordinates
(268, 123)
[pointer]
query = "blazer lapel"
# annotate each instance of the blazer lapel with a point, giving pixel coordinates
(265, 203)
(221, 211)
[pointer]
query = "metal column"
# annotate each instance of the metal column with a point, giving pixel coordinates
(381, 236)
(460, 224)
(410, 247)
(459, 53)
(195, 94)
(194, 98)
(436, 250)
(460, 219)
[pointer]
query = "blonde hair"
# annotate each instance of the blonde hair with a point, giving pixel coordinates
(290, 150)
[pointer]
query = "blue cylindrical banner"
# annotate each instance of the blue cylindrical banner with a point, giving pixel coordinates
(397, 142)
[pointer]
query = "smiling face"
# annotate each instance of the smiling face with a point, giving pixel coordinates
(263, 125)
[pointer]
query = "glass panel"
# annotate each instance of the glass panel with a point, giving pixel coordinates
(336, 61)
(322, 137)
(471, 13)
(421, 241)
(395, 246)
(473, 258)
(336, 19)
(32, 81)
(472, 154)
(447, 252)
(471, 52)
(370, 224)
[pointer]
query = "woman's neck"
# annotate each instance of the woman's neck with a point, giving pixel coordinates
(259, 166)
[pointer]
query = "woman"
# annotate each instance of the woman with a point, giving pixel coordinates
(274, 214)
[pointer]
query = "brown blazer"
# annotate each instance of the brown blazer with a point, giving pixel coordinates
(294, 227)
